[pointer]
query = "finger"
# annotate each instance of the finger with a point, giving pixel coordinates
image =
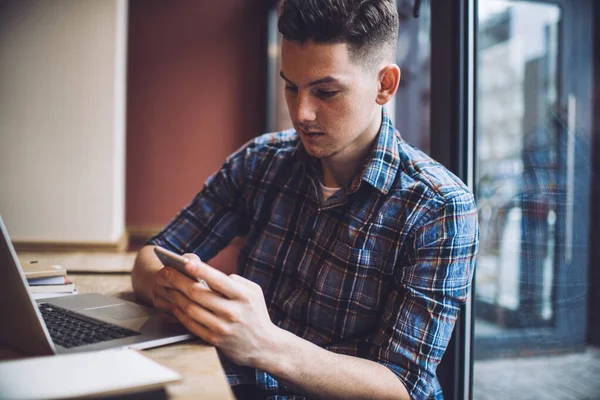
(194, 327)
(252, 286)
(161, 291)
(212, 301)
(162, 277)
(194, 258)
(191, 256)
(201, 315)
(162, 304)
(161, 299)
(241, 279)
(214, 278)
(171, 278)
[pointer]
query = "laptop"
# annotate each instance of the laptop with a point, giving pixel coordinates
(74, 323)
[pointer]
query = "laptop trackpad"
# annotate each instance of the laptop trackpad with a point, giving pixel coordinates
(119, 312)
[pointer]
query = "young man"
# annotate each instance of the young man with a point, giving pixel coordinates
(359, 248)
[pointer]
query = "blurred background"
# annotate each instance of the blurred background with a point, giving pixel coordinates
(113, 113)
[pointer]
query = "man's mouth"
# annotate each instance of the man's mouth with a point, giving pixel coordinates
(312, 134)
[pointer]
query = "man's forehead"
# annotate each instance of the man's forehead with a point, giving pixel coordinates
(317, 51)
(311, 61)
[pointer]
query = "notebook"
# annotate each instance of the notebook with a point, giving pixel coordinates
(34, 270)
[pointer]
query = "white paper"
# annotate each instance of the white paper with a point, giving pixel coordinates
(81, 374)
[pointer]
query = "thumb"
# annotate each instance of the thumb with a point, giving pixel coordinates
(242, 280)
(192, 257)
(193, 263)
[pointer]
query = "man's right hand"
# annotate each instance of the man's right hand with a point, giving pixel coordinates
(147, 266)
(144, 274)
(161, 298)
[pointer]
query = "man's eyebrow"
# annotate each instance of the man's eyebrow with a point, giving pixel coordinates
(327, 79)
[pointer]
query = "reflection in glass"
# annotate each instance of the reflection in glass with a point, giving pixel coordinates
(532, 187)
(412, 102)
(518, 186)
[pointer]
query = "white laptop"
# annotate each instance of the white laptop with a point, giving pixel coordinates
(75, 323)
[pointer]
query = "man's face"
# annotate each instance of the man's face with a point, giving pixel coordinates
(331, 98)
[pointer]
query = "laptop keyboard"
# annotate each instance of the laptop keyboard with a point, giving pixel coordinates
(70, 329)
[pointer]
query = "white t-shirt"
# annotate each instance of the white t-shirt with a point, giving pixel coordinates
(328, 191)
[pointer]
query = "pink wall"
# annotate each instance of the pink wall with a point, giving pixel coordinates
(196, 92)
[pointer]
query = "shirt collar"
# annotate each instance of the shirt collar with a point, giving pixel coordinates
(379, 168)
(382, 164)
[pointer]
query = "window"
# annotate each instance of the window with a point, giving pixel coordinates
(532, 181)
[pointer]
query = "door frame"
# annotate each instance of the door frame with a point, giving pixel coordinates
(452, 143)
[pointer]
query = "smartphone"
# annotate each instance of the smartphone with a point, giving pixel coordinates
(173, 260)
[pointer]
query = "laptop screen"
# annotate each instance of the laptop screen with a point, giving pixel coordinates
(21, 324)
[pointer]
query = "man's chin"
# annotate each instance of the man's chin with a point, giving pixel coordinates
(319, 153)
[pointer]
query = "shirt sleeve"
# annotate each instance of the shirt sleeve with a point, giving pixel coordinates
(216, 215)
(432, 282)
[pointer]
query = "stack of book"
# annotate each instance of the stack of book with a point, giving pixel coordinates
(47, 280)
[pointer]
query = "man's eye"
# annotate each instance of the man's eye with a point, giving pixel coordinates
(292, 89)
(325, 94)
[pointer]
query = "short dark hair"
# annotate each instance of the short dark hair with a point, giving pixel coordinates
(366, 26)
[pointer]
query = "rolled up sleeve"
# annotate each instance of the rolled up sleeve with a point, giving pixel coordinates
(429, 286)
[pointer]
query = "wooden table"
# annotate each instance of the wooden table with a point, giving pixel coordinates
(197, 363)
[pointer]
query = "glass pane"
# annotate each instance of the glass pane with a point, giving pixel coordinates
(530, 148)
(278, 117)
(412, 102)
(516, 163)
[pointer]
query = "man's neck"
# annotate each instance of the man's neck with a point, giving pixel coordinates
(338, 170)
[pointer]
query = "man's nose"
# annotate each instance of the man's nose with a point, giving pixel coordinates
(305, 109)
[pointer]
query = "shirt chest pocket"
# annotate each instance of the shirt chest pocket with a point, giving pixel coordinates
(352, 280)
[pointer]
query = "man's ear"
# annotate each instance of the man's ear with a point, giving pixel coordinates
(389, 79)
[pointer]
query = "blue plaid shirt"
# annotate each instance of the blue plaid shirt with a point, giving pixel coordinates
(376, 271)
